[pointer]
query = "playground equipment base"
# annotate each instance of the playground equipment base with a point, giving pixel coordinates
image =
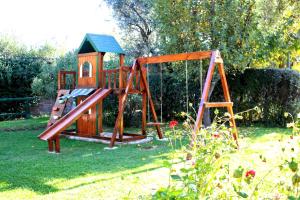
(103, 138)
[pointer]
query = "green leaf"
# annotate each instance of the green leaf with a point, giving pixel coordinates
(175, 177)
(242, 194)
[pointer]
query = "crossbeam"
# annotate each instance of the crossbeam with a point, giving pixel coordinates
(198, 55)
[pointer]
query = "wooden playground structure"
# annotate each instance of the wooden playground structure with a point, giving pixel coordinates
(91, 84)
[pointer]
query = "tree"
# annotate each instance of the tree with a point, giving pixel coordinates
(45, 83)
(135, 20)
(279, 32)
(19, 65)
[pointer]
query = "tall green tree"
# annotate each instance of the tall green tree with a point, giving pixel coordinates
(45, 83)
(19, 65)
(135, 18)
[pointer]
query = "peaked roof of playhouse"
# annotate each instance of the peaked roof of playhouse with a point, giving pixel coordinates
(99, 43)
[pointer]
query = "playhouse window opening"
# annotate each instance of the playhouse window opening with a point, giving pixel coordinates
(86, 69)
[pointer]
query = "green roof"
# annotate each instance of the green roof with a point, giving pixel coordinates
(100, 43)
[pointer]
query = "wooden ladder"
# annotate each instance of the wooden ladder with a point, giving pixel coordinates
(59, 107)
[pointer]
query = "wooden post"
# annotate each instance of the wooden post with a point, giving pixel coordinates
(100, 85)
(144, 112)
(204, 96)
(121, 87)
(57, 145)
(50, 145)
(59, 80)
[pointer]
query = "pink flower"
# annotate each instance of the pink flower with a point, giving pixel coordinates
(173, 123)
(250, 173)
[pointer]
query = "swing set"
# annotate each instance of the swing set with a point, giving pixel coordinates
(92, 83)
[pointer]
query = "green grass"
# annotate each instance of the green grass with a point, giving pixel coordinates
(86, 171)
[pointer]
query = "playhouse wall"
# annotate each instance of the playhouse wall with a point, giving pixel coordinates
(87, 124)
(85, 82)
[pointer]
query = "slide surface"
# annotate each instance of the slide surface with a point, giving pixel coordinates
(74, 114)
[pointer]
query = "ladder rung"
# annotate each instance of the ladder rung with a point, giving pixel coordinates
(154, 124)
(217, 104)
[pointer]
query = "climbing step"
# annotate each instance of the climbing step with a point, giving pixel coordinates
(217, 104)
(59, 107)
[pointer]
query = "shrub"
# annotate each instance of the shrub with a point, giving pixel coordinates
(274, 91)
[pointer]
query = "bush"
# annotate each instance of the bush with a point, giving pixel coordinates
(274, 91)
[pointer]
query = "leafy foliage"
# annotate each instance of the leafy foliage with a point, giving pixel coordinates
(19, 66)
(274, 91)
(45, 83)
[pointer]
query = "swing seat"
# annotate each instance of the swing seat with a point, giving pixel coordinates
(154, 124)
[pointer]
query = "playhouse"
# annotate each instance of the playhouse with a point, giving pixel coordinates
(92, 83)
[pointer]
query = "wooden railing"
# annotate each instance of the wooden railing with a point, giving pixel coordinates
(111, 79)
(62, 80)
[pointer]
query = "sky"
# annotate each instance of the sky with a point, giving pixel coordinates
(61, 23)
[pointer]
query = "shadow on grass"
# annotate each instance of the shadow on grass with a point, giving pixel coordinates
(25, 162)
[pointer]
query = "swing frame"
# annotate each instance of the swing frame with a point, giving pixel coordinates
(139, 66)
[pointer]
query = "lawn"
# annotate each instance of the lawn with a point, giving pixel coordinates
(86, 171)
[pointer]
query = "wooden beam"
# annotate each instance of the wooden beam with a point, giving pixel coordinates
(227, 98)
(122, 85)
(175, 57)
(144, 112)
(204, 97)
(217, 104)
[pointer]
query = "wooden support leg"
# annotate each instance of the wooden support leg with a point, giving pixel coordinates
(152, 109)
(50, 145)
(57, 145)
(233, 125)
(144, 113)
(121, 126)
(100, 117)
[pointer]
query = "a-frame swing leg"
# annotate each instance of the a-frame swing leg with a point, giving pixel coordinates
(227, 99)
(152, 108)
(204, 97)
(215, 59)
(123, 99)
(144, 112)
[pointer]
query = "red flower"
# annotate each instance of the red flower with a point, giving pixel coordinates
(250, 173)
(173, 123)
(216, 135)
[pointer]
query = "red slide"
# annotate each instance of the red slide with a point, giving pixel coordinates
(74, 114)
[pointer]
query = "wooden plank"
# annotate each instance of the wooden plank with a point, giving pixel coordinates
(123, 84)
(88, 54)
(204, 97)
(57, 144)
(50, 145)
(217, 104)
(144, 112)
(227, 98)
(175, 57)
